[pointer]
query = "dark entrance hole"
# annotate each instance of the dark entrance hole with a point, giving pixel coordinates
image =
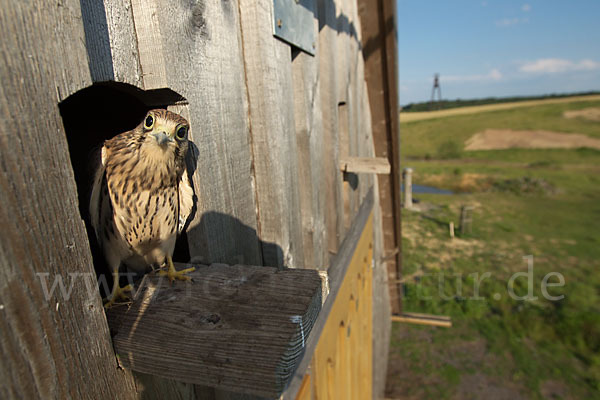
(90, 117)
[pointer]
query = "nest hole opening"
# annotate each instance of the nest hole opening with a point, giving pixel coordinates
(91, 116)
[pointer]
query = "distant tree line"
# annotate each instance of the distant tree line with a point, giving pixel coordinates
(447, 104)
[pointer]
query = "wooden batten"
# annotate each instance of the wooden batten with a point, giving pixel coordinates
(423, 319)
(365, 165)
(240, 328)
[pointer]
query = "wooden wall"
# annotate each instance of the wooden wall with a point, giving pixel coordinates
(269, 124)
(52, 346)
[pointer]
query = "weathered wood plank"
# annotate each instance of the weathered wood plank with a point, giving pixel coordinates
(55, 344)
(309, 146)
(240, 328)
(202, 49)
(150, 44)
(334, 218)
(268, 70)
(111, 41)
(366, 165)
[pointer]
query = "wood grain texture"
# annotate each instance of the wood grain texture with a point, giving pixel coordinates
(270, 91)
(347, 116)
(334, 218)
(111, 41)
(203, 55)
(342, 364)
(55, 344)
(309, 144)
(150, 46)
(239, 328)
(365, 165)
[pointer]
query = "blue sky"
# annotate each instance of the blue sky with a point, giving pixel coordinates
(499, 48)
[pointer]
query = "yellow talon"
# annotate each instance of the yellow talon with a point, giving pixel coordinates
(118, 293)
(173, 274)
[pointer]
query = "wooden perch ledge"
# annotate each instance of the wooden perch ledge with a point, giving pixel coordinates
(241, 328)
(366, 165)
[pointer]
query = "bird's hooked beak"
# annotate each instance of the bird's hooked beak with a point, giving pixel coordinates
(161, 138)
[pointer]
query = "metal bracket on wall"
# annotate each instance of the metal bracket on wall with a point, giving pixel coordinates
(293, 22)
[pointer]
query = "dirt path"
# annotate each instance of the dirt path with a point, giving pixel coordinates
(498, 139)
(591, 114)
(417, 116)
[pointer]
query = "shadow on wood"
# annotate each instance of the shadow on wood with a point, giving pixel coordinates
(241, 328)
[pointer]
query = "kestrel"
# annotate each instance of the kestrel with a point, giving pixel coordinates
(141, 197)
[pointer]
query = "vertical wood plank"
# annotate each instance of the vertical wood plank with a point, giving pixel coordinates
(202, 49)
(55, 344)
(268, 71)
(344, 146)
(111, 41)
(309, 146)
(150, 48)
(329, 93)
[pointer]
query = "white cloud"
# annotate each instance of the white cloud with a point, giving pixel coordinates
(483, 3)
(493, 75)
(511, 21)
(557, 65)
(526, 7)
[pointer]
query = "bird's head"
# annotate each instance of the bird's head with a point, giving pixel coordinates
(165, 132)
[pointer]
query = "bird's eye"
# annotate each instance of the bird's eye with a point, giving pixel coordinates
(149, 122)
(181, 132)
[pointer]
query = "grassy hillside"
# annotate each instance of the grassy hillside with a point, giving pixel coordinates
(433, 137)
(418, 116)
(458, 103)
(528, 202)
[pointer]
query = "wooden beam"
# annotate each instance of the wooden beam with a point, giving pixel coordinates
(378, 28)
(423, 319)
(240, 328)
(367, 165)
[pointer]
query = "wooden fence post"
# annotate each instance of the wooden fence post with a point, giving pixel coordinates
(408, 203)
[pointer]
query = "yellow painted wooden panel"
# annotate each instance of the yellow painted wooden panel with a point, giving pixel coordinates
(342, 363)
(305, 392)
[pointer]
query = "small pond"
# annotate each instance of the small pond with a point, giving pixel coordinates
(422, 189)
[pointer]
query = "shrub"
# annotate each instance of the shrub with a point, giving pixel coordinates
(449, 149)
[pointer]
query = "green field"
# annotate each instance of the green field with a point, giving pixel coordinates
(528, 202)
